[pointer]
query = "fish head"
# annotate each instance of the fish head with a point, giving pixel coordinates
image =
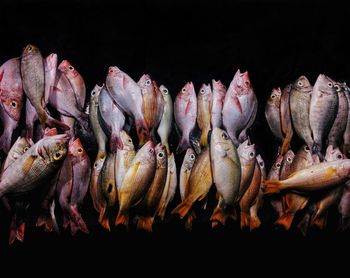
(333, 154)
(127, 142)
(164, 90)
(275, 97)
(288, 159)
(161, 155)
(55, 146)
(190, 158)
(302, 84)
(221, 138)
(95, 93)
(13, 105)
(325, 84)
(241, 83)
(287, 88)
(29, 50)
(305, 154)
(50, 132)
(20, 147)
(218, 87)
(147, 153)
(76, 150)
(51, 62)
(187, 91)
(98, 164)
(117, 77)
(277, 164)
(246, 151)
(145, 82)
(260, 161)
(66, 67)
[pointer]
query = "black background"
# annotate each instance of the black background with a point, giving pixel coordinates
(276, 41)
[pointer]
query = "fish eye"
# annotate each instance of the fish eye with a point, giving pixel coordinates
(251, 154)
(165, 91)
(79, 150)
(202, 91)
(95, 164)
(289, 159)
(261, 164)
(337, 87)
(339, 156)
(246, 83)
(14, 104)
(71, 68)
(192, 157)
(57, 155)
(25, 149)
(30, 48)
(184, 90)
(151, 151)
(224, 135)
(161, 155)
(93, 93)
(273, 96)
(306, 148)
(278, 165)
(148, 82)
(329, 84)
(300, 83)
(224, 87)
(110, 70)
(129, 140)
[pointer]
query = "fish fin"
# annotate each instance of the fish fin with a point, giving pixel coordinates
(204, 138)
(319, 221)
(145, 223)
(20, 232)
(45, 221)
(238, 104)
(182, 209)
(245, 220)
(51, 122)
(271, 186)
(184, 144)
(189, 220)
(78, 220)
(254, 223)
(83, 121)
(219, 216)
(303, 225)
(316, 149)
(122, 219)
(285, 220)
(115, 142)
(28, 163)
(13, 228)
(286, 142)
(104, 219)
(53, 217)
(161, 211)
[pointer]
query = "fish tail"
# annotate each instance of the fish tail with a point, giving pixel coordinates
(319, 221)
(184, 144)
(145, 223)
(316, 149)
(271, 186)
(78, 220)
(51, 122)
(285, 220)
(104, 219)
(182, 209)
(142, 131)
(344, 223)
(245, 220)
(115, 142)
(17, 232)
(254, 223)
(303, 225)
(13, 229)
(161, 211)
(219, 216)
(83, 121)
(45, 221)
(53, 217)
(204, 138)
(122, 219)
(189, 220)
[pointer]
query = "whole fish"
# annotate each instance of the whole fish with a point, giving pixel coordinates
(226, 171)
(323, 110)
(185, 112)
(335, 136)
(81, 179)
(259, 201)
(204, 102)
(100, 136)
(286, 120)
(136, 182)
(108, 190)
(149, 100)
(31, 117)
(316, 177)
(112, 118)
(11, 90)
(300, 99)
(159, 111)
(9, 125)
(272, 113)
(150, 203)
(185, 171)
(77, 82)
(169, 188)
(124, 158)
(95, 185)
(199, 184)
(50, 67)
(35, 165)
(346, 135)
(33, 77)
(274, 174)
(240, 105)
(243, 134)
(247, 157)
(127, 94)
(219, 92)
(165, 125)
(344, 208)
(250, 196)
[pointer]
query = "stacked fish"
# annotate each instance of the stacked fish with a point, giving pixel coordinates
(314, 179)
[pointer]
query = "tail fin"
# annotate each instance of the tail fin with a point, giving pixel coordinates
(161, 211)
(245, 220)
(285, 220)
(145, 223)
(319, 221)
(254, 223)
(78, 220)
(271, 186)
(53, 217)
(51, 122)
(122, 219)
(83, 121)
(316, 148)
(189, 220)
(184, 144)
(142, 131)
(104, 218)
(115, 142)
(303, 225)
(182, 209)
(220, 216)
(45, 221)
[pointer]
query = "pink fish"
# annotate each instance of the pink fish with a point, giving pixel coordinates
(219, 92)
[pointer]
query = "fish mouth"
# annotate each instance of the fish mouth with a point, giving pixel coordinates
(114, 70)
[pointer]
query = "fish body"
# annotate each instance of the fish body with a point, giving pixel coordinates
(219, 92)
(185, 171)
(272, 113)
(204, 102)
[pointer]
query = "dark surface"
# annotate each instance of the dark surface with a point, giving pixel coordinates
(275, 41)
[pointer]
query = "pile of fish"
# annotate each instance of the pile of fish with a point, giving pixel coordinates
(51, 129)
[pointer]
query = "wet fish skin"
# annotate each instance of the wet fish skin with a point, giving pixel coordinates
(185, 113)
(346, 135)
(324, 98)
(274, 174)
(300, 99)
(204, 102)
(19, 147)
(149, 100)
(50, 67)
(219, 92)
(185, 171)
(95, 185)
(9, 125)
(159, 111)
(272, 113)
(286, 120)
(287, 165)
(166, 122)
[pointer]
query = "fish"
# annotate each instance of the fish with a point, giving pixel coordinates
(199, 184)
(71, 122)
(124, 158)
(159, 111)
(247, 157)
(294, 202)
(300, 100)
(137, 181)
(346, 135)
(324, 98)
(259, 200)
(33, 78)
(316, 177)
(204, 102)
(344, 208)
(19, 147)
(9, 126)
(50, 67)
(112, 118)
(108, 191)
(100, 136)
(62, 98)
(165, 126)
(81, 179)
(11, 89)
(127, 94)
(272, 113)
(169, 188)
(226, 171)
(31, 118)
(287, 165)
(150, 202)
(185, 113)
(286, 120)
(240, 105)
(250, 196)
(76, 81)
(219, 92)
(185, 171)
(39, 162)
(335, 135)
(95, 184)
(274, 174)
